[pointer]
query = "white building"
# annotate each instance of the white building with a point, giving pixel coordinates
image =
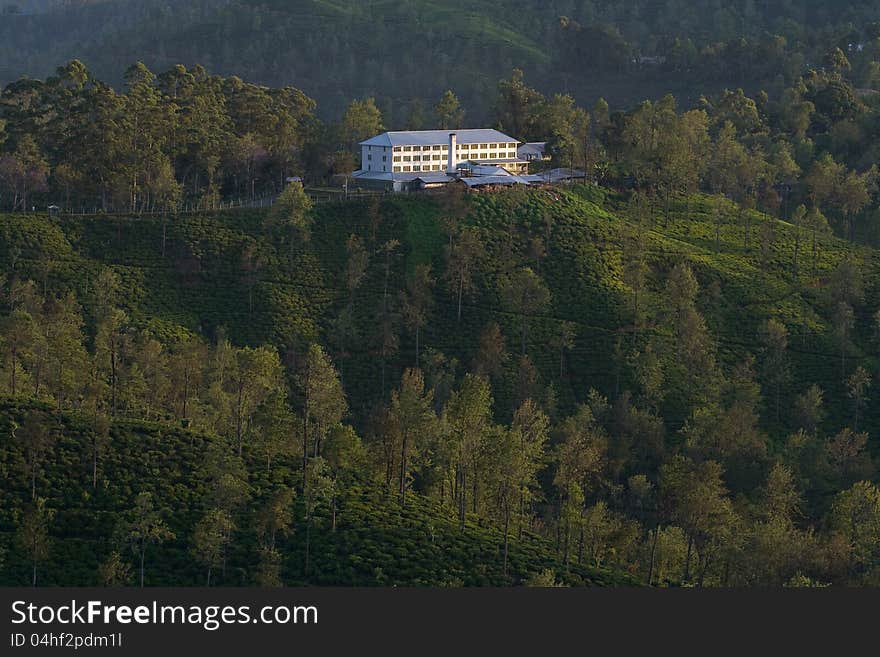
(394, 159)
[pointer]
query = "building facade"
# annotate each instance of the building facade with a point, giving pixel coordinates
(420, 151)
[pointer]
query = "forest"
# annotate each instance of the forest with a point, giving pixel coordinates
(661, 375)
(547, 387)
(336, 51)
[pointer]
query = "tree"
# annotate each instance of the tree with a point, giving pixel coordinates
(24, 172)
(323, 402)
(774, 340)
(417, 302)
(113, 571)
(563, 340)
(276, 517)
(462, 256)
(210, 537)
(857, 386)
(112, 340)
(848, 457)
(517, 106)
(448, 112)
(531, 427)
(855, 517)
(852, 196)
(356, 265)
(33, 533)
(361, 120)
(271, 427)
(35, 441)
(580, 458)
(467, 417)
(844, 322)
(524, 293)
(506, 473)
(186, 368)
(321, 489)
(292, 212)
(696, 499)
(100, 442)
(255, 374)
(146, 527)
(836, 61)
(492, 352)
(66, 354)
(413, 417)
(781, 498)
(818, 225)
(19, 333)
(808, 409)
(798, 221)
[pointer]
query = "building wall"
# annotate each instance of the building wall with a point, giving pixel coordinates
(404, 157)
(375, 158)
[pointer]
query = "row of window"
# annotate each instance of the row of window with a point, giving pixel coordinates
(461, 147)
(419, 167)
(427, 158)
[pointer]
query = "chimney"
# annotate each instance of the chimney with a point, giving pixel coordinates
(453, 158)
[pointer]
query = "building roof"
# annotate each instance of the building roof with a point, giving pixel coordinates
(479, 181)
(534, 146)
(485, 170)
(434, 177)
(437, 137)
(554, 175)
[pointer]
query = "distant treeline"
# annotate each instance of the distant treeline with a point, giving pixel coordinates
(186, 137)
(337, 51)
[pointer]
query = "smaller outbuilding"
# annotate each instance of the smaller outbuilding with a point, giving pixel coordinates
(533, 151)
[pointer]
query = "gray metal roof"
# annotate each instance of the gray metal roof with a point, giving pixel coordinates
(477, 181)
(437, 137)
(435, 176)
(554, 175)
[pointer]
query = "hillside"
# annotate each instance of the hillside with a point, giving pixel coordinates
(372, 544)
(204, 281)
(239, 275)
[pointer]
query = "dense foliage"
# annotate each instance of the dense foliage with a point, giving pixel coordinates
(617, 375)
(338, 50)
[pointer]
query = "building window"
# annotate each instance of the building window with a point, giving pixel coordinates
(407, 168)
(407, 158)
(484, 146)
(445, 147)
(437, 148)
(417, 158)
(484, 156)
(397, 149)
(417, 167)
(436, 157)
(397, 158)
(407, 148)
(397, 169)
(369, 157)
(384, 158)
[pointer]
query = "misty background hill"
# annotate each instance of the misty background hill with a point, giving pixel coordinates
(406, 54)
